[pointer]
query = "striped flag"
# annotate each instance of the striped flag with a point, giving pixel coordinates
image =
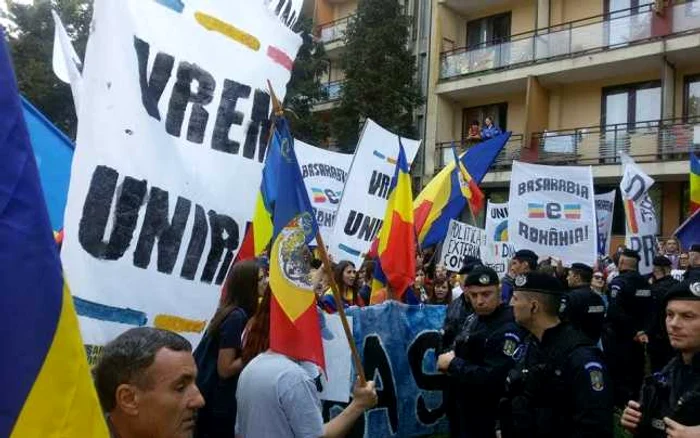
(44, 374)
(694, 183)
(468, 186)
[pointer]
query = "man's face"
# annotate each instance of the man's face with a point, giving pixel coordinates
(519, 267)
(694, 259)
(683, 261)
(572, 279)
(522, 308)
(671, 246)
(683, 325)
(167, 406)
(484, 299)
(440, 272)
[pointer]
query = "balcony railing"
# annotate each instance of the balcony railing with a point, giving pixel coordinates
(656, 140)
(601, 32)
(510, 152)
(332, 91)
(334, 30)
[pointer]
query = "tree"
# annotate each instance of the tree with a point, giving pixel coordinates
(304, 88)
(30, 34)
(379, 73)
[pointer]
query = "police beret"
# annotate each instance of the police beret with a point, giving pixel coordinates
(525, 254)
(688, 290)
(695, 247)
(539, 282)
(631, 253)
(582, 267)
(661, 261)
(481, 276)
(469, 263)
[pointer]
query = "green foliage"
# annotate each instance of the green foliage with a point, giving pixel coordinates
(305, 88)
(30, 36)
(379, 73)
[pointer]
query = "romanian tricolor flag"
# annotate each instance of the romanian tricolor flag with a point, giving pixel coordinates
(47, 390)
(295, 330)
(443, 199)
(470, 188)
(396, 266)
(535, 211)
(694, 183)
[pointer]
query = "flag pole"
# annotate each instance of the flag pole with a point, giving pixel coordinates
(279, 112)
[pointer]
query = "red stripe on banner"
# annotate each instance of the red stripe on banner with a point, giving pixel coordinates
(632, 216)
(301, 339)
(280, 57)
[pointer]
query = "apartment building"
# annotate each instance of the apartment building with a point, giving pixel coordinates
(576, 81)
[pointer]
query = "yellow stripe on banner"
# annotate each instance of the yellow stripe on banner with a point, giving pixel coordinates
(214, 24)
(63, 401)
(262, 226)
(178, 324)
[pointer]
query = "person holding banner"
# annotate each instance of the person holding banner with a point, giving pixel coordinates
(481, 357)
(560, 385)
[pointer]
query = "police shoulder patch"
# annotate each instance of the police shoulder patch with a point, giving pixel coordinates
(510, 345)
(595, 375)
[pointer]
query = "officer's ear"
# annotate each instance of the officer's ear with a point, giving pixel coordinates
(534, 306)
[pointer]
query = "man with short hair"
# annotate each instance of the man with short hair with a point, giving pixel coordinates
(659, 349)
(559, 386)
(481, 357)
(523, 261)
(145, 380)
(629, 316)
(584, 309)
(278, 397)
(670, 400)
(693, 272)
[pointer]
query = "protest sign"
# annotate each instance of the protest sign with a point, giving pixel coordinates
(324, 174)
(338, 361)
(167, 132)
(604, 207)
(361, 211)
(398, 346)
(641, 224)
(551, 214)
(461, 240)
(498, 250)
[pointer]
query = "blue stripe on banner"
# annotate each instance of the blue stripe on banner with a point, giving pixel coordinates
(104, 312)
(349, 250)
(175, 5)
(379, 155)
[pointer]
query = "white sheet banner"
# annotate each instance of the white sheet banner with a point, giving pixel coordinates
(324, 173)
(364, 201)
(499, 250)
(171, 140)
(641, 223)
(461, 240)
(604, 208)
(552, 212)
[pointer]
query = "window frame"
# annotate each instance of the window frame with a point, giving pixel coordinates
(631, 100)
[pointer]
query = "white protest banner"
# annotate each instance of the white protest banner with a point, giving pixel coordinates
(324, 173)
(641, 224)
(499, 250)
(604, 207)
(552, 212)
(461, 240)
(172, 136)
(338, 360)
(364, 201)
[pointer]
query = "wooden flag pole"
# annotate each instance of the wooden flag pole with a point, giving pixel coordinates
(279, 111)
(341, 310)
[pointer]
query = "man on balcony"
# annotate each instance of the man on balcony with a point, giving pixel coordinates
(489, 130)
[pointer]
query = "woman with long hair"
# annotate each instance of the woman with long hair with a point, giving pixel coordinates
(218, 355)
(346, 278)
(366, 276)
(256, 338)
(441, 292)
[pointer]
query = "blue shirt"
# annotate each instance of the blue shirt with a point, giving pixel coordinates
(490, 132)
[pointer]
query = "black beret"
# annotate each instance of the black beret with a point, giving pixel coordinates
(525, 254)
(661, 261)
(540, 283)
(631, 253)
(695, 247)
(688, 290)
(481, 276)
(582, 267)
(469, 263)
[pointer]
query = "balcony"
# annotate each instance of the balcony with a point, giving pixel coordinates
(332, 34)
(332, 90)
(511, 151)
(594, 34)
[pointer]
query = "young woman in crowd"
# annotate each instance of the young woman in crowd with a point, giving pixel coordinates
(365, 276)
(256, 337)
(441, 292)
(218, 356)
(598, 286)
(419, 288)
(346, 278)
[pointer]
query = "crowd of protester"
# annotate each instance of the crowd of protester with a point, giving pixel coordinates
(544, 351)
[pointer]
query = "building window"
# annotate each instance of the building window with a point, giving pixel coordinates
(691, 97)
(497, 111)
(632, 104)
(488, 30)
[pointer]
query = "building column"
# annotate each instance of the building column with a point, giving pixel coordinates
(668, 90)
(432, 101)
(542, 19)
(671, 193)
(536, 116)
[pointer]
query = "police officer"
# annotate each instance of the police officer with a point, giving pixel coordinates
(560, 385)
(670, 400)
(482, 357)
(584, 309)
(659, 348)
(693, 272)
(523, 261)
(629, 315)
